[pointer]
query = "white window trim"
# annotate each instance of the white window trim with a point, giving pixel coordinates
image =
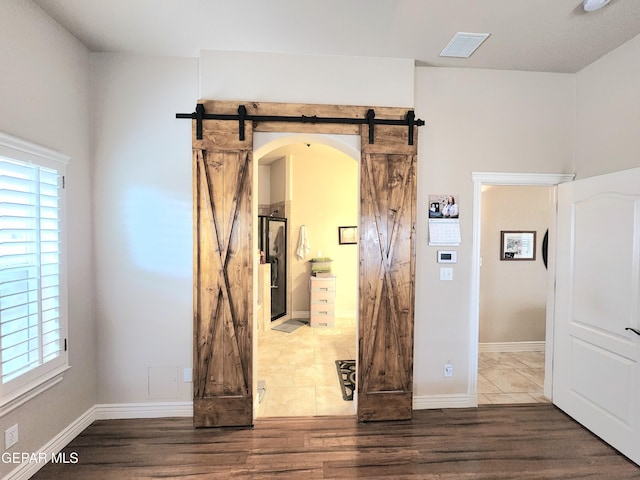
(25, 151)
(32, 389)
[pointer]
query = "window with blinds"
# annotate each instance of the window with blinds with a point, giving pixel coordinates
(32, 323)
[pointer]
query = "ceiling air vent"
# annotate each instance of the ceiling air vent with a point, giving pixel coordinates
(462, 45)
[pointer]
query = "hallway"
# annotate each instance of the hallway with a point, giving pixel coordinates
(511, 377)
(300, 372)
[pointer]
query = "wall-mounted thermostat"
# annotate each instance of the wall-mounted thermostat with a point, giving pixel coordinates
(447, 256)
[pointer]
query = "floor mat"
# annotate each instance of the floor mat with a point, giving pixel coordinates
(290, 325)
(347, 376)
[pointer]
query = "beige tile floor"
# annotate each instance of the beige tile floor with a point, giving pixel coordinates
(300, 372)
(301, 378)
(511, 377)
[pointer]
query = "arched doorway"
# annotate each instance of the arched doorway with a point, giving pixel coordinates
(306, 181)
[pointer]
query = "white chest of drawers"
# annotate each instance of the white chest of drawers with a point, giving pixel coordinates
(323, 301)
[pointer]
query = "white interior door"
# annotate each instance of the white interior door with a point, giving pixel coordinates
(596, 378)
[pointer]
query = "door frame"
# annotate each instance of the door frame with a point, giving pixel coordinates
(514, 179)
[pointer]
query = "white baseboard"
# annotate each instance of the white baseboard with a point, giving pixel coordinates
(115, 411)
(425, 402)
(512, 347)
(26, 470)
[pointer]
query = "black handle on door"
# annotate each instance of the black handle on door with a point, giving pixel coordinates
(634, 330)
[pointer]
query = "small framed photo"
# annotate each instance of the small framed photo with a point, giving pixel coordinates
(517, 245)
(347, 235)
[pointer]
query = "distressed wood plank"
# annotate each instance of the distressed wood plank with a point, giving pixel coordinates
(387, 269)
(223, 269)
(297, 109)
(310, 110)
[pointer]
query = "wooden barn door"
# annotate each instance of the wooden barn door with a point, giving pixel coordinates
(387, 275)
(223, 269)
(224, 259)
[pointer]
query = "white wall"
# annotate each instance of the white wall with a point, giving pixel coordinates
(143, 229)
(608, 113)
(266, 77)
(44, 98)
(143, 225)
(476, 121)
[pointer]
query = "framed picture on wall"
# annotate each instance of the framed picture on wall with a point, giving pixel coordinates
(347, 235)
(517, 245)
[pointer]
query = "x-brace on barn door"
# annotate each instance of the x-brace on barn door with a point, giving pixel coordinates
(224, 257)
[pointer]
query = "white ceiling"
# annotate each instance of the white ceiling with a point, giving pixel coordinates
(534, 35)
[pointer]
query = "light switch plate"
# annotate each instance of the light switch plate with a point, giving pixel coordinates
(446, 273)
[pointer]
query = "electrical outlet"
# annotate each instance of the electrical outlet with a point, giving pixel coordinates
(11, 436)
(448, 370)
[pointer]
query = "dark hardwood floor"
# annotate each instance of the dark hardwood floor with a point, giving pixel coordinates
(492, 442)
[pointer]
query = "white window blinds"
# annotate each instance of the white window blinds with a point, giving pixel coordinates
(30, 250)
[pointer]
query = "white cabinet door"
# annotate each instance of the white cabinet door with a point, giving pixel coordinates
(596, 378)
